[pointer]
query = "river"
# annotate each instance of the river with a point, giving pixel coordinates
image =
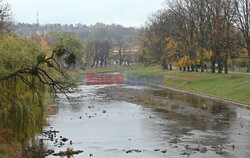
(105, 127)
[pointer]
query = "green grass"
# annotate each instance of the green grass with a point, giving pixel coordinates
(229, 86)
(240, 70)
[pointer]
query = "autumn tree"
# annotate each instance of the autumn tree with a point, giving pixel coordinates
(205, 32)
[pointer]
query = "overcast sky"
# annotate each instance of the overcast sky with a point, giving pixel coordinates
(124, 12)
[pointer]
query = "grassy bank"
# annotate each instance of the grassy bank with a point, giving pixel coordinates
(244, 70)
(229, 86)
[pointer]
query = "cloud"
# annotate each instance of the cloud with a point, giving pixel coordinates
(125, 12)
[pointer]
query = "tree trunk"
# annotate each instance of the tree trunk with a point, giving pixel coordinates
(202, 66)
(248, 49)
(184, 68)
(165, 65)
(106, 63)
(97, 62)
(192, 68)
(226, 66)
(196, 68)
(219, 66)
(213, 66)
(180, 68)
(171, 68)
(188, 68)
(232, 64)
(248, 65)
(101, 63)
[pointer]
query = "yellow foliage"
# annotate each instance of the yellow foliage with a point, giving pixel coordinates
(184, 61)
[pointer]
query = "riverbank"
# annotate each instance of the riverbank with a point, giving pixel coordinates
(230, 87)
(9, 146)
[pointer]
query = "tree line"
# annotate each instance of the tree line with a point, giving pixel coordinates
(99, 46)
(97, 41)
(97, 52)
(98, 31)
(195, 35)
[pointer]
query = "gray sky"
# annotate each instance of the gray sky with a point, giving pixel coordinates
(124, 12)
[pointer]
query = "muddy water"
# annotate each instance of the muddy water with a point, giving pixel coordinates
(106, 128)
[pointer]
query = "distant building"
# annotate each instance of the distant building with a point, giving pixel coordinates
(126, 56)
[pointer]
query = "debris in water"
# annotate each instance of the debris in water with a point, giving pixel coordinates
(68, 153)
(129, 151)
(50, 151)
(164, 151)
(61, 144)
(133, 150)
(65, 139)
(185, 153)
(204, 106)
(175, 140)
(218, 149)
(203, 150)
(176, 106)
(137, 150)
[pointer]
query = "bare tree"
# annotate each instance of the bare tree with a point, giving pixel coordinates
(229, 13)
(63, 85)
(5, 16)
(242, 22)
(107, 45)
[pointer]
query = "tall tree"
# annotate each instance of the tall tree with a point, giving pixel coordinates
(243, 23)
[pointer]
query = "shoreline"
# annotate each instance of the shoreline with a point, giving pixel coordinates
(214, 98)
(228, 88)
